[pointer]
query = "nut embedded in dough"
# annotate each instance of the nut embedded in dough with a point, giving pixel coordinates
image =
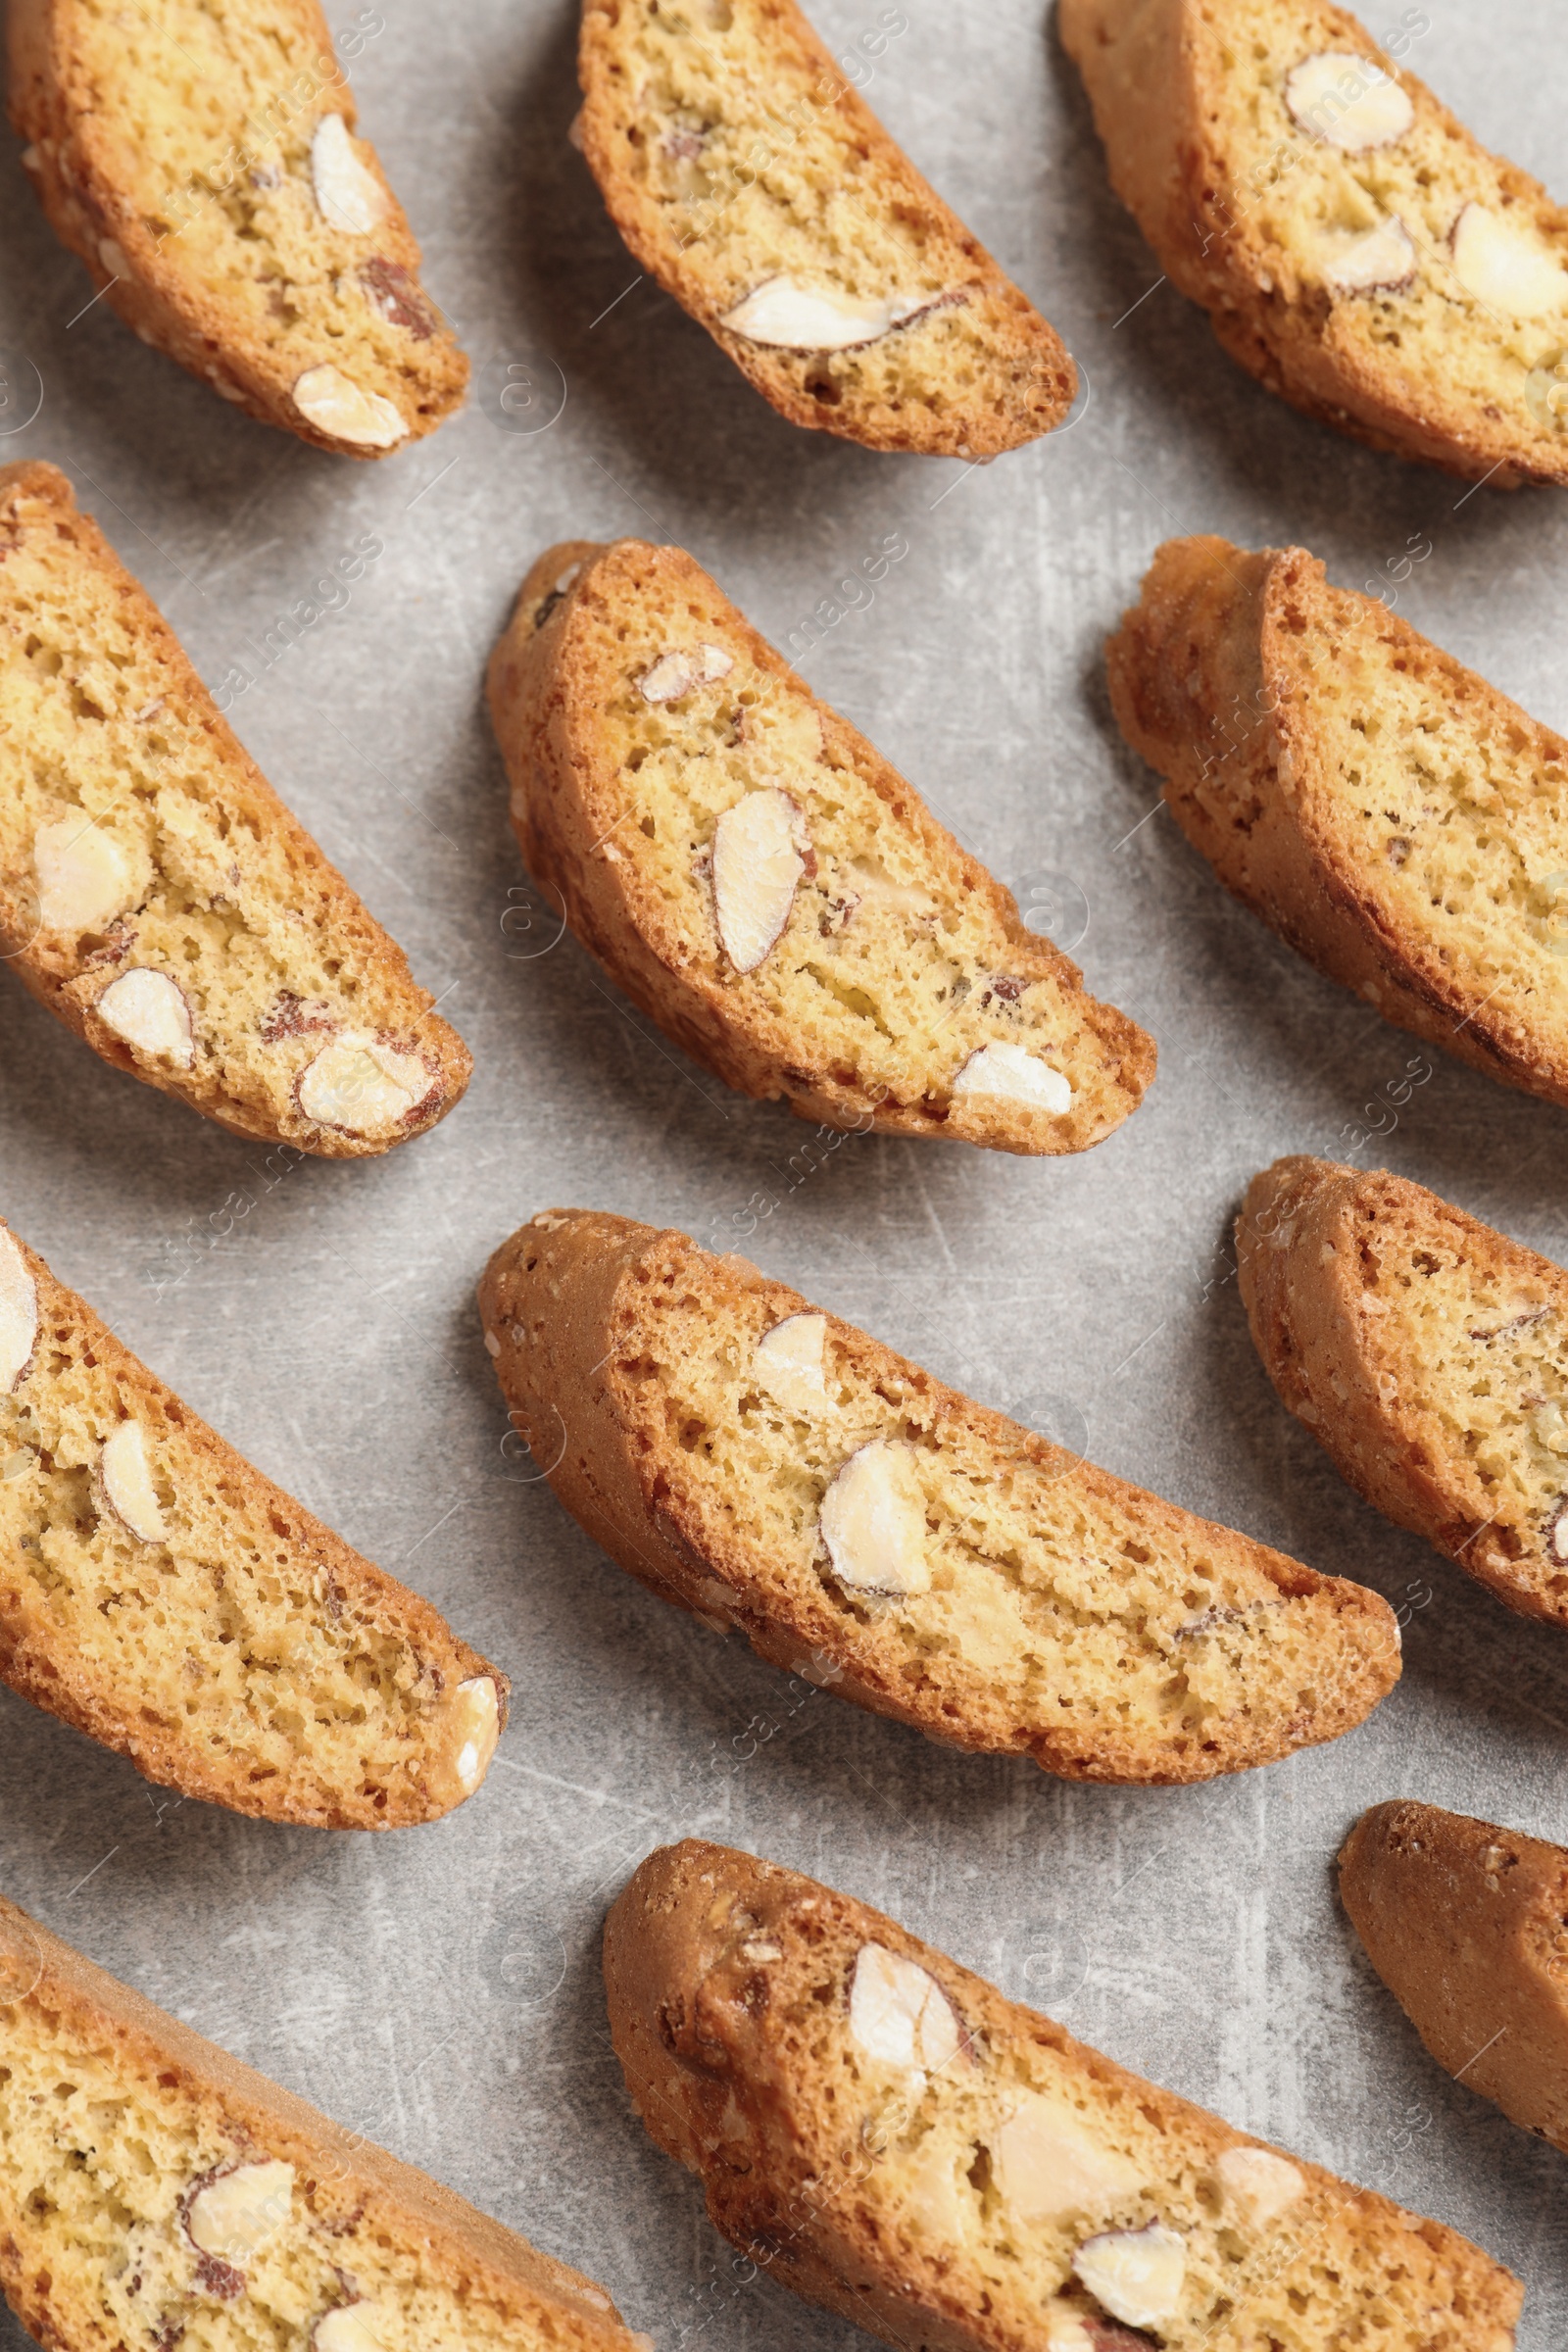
(756, 864)
(128, 1482)
(18, 1314)
(1138, 2275)
(84, 877)
(872, 1522)
(151, 1014)
(337, 406)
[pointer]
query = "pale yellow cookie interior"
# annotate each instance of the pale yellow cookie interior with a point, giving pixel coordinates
(185, 1612)
(206, 117)
(1053, 1613)
(1300, 201)
(195, 873)
(754, 172)
(891, 971)
(1452, 810)
(1483, 1347)
(100, 2162)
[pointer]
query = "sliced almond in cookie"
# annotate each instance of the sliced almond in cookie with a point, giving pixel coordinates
(870, 312)
(932, 1560)
(1395, 817)
(767, 888)
(18, 1314)
(194, 1617)
(363, 1086)
(792, 317)
(756, 868)
(151, 1013)
(788, 1360)
(1357, 248)
(346, 412)
(1425, 1352)
(154, 891)
(805, 2084)
(126, 1478)
(204, 163)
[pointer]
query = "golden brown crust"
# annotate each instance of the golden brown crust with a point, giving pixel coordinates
(1323, 1254)
(1169, 103)
(356, 2189)
(1467, 1925)
(91, 171)
(554, 677)
(720, 1970)
(571, 1306)
(1209, 684)
(390, 1651)
(1011, 378)
(68, 973)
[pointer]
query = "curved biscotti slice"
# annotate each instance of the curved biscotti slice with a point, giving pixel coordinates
(951, 2168)
(769, 1467)
(161, 1596)
(749, 179)
(1467, 1925)
(1356, 249)
(203, 163)
(1428, 1355)
(153, 2192)
(767, 888)
(154, 891)
(1397, 821)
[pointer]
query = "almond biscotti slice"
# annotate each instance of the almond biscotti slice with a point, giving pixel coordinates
(1467, 1925)
(768, 888)
(769, 1467)
(1428, 1355)
(749, 179)
(154, 891)
(1357, 250)
(894, 2140)
(154, 2192)
(203, 163)
(1401, 823)
(161, 1596)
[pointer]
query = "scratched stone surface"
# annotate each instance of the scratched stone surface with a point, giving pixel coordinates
(438, 1989)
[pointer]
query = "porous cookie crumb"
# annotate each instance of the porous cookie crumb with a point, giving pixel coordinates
(1429, 1354)
(154, 2192)
(946, 2166)
(161, 1596)
(154, 891)
(1395, 817)
(767, 888)
(204, 163)
(1357, 250)
(751, 180)
(772, 1468)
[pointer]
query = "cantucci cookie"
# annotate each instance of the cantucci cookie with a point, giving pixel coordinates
(749, 179)
(769, 1467)
(1467, 1925)
(1401, 823)
(161, 1596)
(1428, 1355)
(767, 888)
(154, 891)
(204, 163)
(1356, 249)
(154, 2192)
(947, 2168)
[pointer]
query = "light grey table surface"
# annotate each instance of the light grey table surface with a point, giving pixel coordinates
(438, 1989)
